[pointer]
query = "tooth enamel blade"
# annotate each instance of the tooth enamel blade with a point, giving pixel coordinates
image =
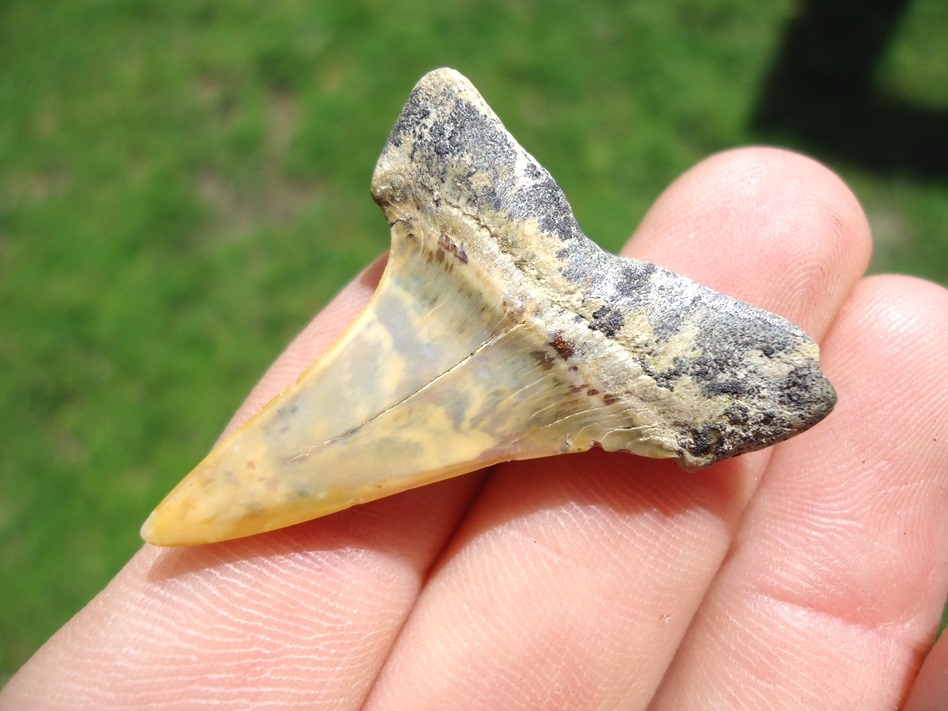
(498, 332)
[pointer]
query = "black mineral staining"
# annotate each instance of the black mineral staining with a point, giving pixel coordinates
(637, 277)
(411, 120)
(705, 439)
(607, 320)
(732, 388)
(737, 415)
(805, 388)
(663, 378)
(456, 134)
(544, 200)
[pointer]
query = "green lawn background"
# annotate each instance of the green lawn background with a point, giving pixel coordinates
(183, 184)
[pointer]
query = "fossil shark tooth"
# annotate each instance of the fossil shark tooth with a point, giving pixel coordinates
(498, 332)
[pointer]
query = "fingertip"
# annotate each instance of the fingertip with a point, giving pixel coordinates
(895, 324)
(901, 302)
(765, 225)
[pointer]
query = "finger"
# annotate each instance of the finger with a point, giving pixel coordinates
(301, 617)
(765, 226)
(930, 688)
(834, 586)
(573, 579)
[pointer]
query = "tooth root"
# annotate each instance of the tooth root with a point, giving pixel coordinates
(498, 332)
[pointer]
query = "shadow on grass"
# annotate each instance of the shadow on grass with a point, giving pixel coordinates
(819, 91)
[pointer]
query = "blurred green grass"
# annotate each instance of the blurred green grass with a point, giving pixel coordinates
(183, 184)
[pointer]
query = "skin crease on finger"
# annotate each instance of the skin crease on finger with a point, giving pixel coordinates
(931, 686)
(296, 618)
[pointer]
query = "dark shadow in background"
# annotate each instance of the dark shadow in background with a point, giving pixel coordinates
(819, 92)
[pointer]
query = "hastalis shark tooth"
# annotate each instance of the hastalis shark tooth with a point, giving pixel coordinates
(498, 332)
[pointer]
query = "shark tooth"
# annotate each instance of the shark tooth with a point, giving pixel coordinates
(498, 332)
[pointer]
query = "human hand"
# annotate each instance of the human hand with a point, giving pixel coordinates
(811, 575)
